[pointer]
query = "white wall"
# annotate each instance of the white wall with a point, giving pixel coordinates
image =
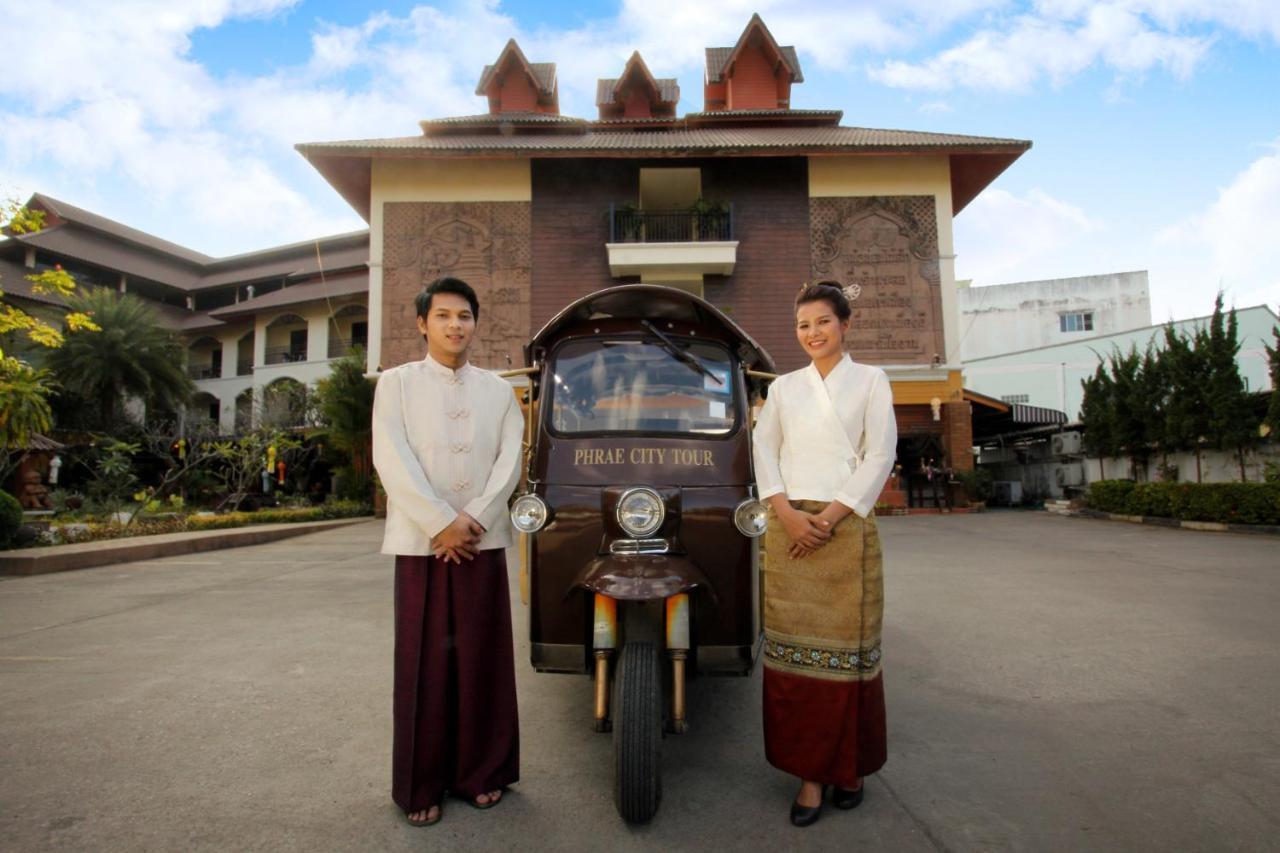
(1051, 376)
(1005, 318)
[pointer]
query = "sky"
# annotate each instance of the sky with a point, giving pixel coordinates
(1155, 123)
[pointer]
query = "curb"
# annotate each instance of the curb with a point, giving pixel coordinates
(1158, 521)
(86, 555)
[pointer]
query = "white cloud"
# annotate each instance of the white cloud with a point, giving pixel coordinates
(1231, 244)
(1057, 41)
(1003, 237)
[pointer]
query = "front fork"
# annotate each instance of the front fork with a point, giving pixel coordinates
(605, 643)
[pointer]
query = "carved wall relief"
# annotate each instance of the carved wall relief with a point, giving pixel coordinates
(885, 250)
(486, 244)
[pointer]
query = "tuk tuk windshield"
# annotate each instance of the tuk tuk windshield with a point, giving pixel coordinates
(604, 385)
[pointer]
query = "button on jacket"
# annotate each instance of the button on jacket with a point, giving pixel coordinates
(827, 439)
(445, 441)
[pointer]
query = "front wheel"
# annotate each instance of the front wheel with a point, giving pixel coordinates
(637, 733)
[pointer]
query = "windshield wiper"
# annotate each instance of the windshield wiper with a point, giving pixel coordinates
(681, 356)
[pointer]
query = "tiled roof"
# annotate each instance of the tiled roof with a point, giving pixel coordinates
(544, 73)
(13, 281)
(456, 124)
(718, 58)
(332, 287)
(668, 90)
(788, 139)
(71, 213)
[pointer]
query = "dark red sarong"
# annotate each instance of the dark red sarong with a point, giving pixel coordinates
(455, 727)
(824, 731)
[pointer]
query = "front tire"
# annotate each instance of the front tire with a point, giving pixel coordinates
(637, 733)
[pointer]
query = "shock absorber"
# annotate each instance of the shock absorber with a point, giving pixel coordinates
(604, 641)
(678, 649)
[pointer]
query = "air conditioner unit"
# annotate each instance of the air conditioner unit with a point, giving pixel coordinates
(1007, 492)
(1071, 474)
(1065, 444)
(997, 456)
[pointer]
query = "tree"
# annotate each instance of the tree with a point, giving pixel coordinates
(184, 450)
(1129, 414)
(24, 389)
(1095, 417)
(1273, 366)
(1232, 422)
(345, 402)
(242, 460)
(1187, 406)
(132, 356)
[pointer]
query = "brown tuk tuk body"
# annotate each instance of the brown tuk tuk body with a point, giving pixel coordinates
(639, 520)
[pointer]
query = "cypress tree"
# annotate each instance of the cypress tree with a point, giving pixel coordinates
(1232, 423)
(1095, 417)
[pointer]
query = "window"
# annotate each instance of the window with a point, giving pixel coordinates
(639, 385)
(1076, 321)
(1016, 398)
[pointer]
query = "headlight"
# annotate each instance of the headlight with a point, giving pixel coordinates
(640, 512)
(528, 513)
(751, 517)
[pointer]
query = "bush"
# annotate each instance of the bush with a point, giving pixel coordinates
(979, 483)
(1228, 503)
(330, 510)
(10, 518)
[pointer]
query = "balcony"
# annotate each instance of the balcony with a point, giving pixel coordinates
(204, 371)
(341, 347)
(244, 367)
(285, 355)
(671, 244)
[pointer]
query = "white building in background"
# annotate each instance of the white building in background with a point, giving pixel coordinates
(1006, 318)
(1050, 376)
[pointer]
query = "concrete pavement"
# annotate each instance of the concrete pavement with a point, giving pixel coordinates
(1053, 684)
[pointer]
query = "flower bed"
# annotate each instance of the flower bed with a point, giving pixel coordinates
(1226, 503)
(63, 532)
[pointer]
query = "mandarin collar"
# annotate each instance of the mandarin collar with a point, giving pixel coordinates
(445, 370)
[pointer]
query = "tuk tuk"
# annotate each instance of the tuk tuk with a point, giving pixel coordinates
(639, 520)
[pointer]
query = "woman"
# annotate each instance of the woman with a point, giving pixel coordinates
(824, 446)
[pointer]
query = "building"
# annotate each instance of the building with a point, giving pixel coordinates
(741, 202)
(1051, 376)
(272, 319)
(1004, 318)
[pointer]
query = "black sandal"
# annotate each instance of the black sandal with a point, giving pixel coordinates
(482, 806)
(423, 821)
(842, 799)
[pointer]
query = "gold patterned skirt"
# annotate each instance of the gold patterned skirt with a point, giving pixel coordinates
(824, 717)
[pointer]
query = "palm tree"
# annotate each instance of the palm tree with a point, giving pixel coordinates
(133, 356)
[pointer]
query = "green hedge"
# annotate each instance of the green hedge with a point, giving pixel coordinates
(323, 512)
(1229, 503)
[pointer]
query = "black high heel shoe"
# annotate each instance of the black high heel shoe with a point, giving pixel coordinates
(842, 799)
(807, 815)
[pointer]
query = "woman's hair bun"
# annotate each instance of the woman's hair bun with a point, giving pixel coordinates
(830, 291)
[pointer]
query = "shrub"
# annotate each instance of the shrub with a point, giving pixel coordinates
(1229, 503)
(330, 510)
(10, 518)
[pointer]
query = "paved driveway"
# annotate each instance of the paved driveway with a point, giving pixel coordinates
(1053, 684)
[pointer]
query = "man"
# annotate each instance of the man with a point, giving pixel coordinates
(447, 446)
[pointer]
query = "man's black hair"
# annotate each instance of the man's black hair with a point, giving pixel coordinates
(446, 284)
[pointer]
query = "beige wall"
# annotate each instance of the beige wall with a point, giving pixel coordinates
(844, 176)
(432, 180)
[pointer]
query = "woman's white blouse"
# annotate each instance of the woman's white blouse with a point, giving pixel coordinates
(445, 441)
(827, 439)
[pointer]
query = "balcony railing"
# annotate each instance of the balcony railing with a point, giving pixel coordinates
(244, 368)
(204, 371)
(285, 355)
(340, 347)
(670, 226)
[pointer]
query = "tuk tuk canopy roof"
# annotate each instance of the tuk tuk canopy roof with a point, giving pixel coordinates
(654, 303)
